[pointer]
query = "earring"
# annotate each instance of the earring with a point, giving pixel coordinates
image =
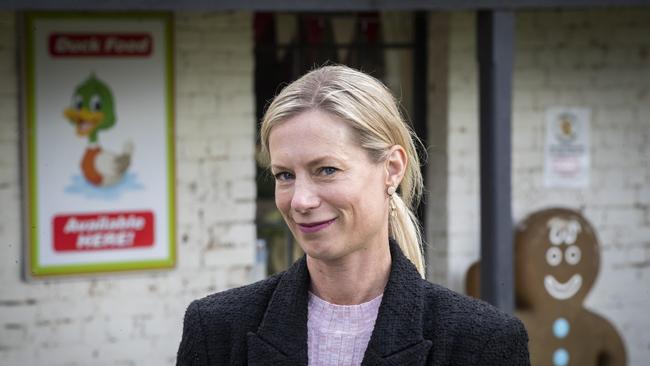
(391, 191)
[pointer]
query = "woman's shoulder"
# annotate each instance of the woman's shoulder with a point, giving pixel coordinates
(217, 322)
(461, 308)
(474, 324)
(233, 302)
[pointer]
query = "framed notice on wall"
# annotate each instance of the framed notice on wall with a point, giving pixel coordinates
(99, 143)
(566, 149)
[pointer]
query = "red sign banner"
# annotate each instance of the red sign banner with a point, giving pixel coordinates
(115, 230)
(100, 44)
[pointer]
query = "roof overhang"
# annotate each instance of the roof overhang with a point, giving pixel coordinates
(309, 5)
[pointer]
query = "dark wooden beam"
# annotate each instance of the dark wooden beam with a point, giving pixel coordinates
(307, 5)
(420, 122)
(495, 34)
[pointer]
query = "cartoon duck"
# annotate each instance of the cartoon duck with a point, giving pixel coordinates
(556, 263)
(92, 111)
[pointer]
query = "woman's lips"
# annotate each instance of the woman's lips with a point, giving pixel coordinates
(314, 226)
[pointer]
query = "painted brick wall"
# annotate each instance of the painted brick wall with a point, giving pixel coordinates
(136, 319)
(599, 59)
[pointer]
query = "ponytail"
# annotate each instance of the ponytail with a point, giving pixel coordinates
(403, 227)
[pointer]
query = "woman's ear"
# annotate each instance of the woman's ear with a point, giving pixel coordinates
(395, 163)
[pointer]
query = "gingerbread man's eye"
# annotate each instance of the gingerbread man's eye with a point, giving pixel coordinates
(554, 256)
(572, 255)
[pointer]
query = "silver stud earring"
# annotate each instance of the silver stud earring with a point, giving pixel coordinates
(390, 190)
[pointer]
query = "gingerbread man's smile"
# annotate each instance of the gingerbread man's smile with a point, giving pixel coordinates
(562, 291)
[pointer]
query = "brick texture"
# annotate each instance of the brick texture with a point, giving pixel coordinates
(136, 319)
(598, 59)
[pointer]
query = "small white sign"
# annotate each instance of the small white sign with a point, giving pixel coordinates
(566, 151)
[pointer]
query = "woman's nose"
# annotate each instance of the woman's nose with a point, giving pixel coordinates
(304, 197)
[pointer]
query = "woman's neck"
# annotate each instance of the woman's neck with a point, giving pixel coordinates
(355, 279)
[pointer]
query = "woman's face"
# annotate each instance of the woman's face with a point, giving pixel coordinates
(331, 195)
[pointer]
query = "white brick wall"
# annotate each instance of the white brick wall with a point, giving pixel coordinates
(599, 59)
(594, 58)
(136, 319)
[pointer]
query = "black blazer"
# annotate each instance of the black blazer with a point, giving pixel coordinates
(419, 323)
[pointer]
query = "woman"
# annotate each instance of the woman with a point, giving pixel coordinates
(347, 177)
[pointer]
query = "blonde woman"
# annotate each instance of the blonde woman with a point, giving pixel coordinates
(347, 176)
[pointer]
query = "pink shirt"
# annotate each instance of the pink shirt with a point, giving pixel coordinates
(338, 335)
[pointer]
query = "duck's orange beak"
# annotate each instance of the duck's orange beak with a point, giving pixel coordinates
(86, 121)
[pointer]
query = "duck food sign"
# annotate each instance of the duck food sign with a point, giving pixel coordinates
(98, 143)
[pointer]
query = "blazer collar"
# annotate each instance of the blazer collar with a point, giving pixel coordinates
(399, 321)
(282, 335)
(396, 339)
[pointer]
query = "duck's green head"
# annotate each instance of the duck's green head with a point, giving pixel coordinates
(92, 108)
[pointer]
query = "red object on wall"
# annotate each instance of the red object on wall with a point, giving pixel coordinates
(102, 231)
(100, 44)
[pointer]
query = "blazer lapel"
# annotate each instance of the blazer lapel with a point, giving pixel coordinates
(397, 337)
(281, 338)
(262, 353)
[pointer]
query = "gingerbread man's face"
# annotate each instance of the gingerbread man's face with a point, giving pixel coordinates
(563, 251)
(558, 258)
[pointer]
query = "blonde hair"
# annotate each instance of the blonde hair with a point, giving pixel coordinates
(373, 113)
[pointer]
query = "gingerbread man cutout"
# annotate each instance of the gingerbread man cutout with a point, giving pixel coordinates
(556, 263)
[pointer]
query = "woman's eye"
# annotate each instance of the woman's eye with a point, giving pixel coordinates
(282, 176)
(328, 170)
